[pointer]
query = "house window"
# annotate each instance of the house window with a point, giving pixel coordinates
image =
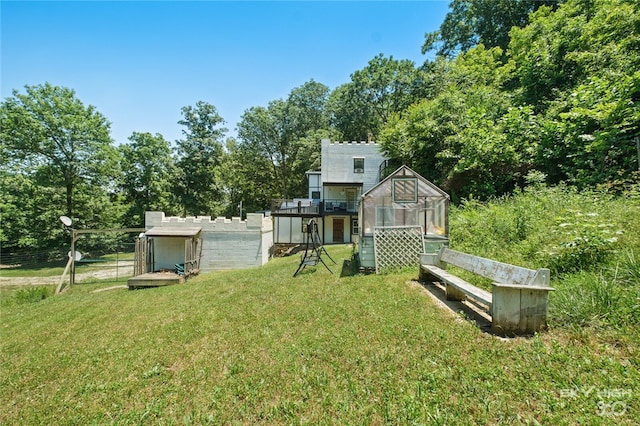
(315, 195)
(405, 190)
(354, 226)
(358, 165)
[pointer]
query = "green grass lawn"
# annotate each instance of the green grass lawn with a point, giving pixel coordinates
(258, 346)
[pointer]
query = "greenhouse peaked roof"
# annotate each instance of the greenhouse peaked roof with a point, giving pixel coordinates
(426, 188)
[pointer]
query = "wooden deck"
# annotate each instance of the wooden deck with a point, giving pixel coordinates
(154, 279)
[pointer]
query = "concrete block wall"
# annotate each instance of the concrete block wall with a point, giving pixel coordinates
(226, 243)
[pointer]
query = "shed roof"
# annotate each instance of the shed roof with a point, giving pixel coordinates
(168, 231)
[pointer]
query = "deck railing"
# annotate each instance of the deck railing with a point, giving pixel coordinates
(295, 207)
(330, 206)
(339, 206)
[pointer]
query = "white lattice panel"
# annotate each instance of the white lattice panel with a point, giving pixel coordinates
(397, 246)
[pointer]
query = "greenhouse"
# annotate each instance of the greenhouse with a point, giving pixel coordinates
(404, 203)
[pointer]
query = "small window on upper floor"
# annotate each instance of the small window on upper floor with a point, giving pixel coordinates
(315, 195)
(358, 165)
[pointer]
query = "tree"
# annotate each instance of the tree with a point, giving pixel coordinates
(473, 22)
(307, 108)
(50, 131)
(468, 138)
(577, 66)
(248, 178)
(197, 187)
(58, 143)
(29, 213)
(148, 172)
(285, 135)
(540, 54)
(385, 86)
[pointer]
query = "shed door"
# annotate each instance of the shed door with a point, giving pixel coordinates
(338, 230)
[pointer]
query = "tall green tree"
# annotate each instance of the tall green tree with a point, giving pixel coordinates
(197, 187)
(266, 133)
(307, 108)
(285, 135)
(474, 22)
(469, 138)
(577, 66)
(49, 130)
(248, 178)
(148, 171)
(29, 213)
(58, 159)
(385, 86)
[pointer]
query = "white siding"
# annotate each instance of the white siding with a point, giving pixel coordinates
(315, 183)
(288, 230)
(167, 252)
(337, 162)
(328, 229)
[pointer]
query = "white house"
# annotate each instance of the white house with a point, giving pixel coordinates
(348, 170)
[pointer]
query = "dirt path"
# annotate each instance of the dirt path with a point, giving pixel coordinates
(106, 271)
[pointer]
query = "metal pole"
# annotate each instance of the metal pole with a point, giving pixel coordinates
(72, 277)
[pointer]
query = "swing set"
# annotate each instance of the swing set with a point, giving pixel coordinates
(313, 248)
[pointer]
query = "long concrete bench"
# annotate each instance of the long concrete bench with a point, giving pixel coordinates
(519, 297)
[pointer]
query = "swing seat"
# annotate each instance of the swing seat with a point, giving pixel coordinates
(311, 260)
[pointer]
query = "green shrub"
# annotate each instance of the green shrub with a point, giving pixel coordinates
(32, 294)
(586, 252)
(590, 240)
(584, 239)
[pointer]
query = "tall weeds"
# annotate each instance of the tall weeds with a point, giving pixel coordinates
(588, 239)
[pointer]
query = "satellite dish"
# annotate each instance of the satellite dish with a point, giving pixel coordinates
(66, 220)
(77, 257)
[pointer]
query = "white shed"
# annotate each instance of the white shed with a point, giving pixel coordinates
(166, 255)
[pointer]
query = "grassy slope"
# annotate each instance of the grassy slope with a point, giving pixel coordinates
(257, 346)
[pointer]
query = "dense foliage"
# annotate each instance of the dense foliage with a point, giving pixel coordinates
(520, 90)
(562, 99)
(473, 22)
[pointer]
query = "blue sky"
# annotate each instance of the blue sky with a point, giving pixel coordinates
(140, 62)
